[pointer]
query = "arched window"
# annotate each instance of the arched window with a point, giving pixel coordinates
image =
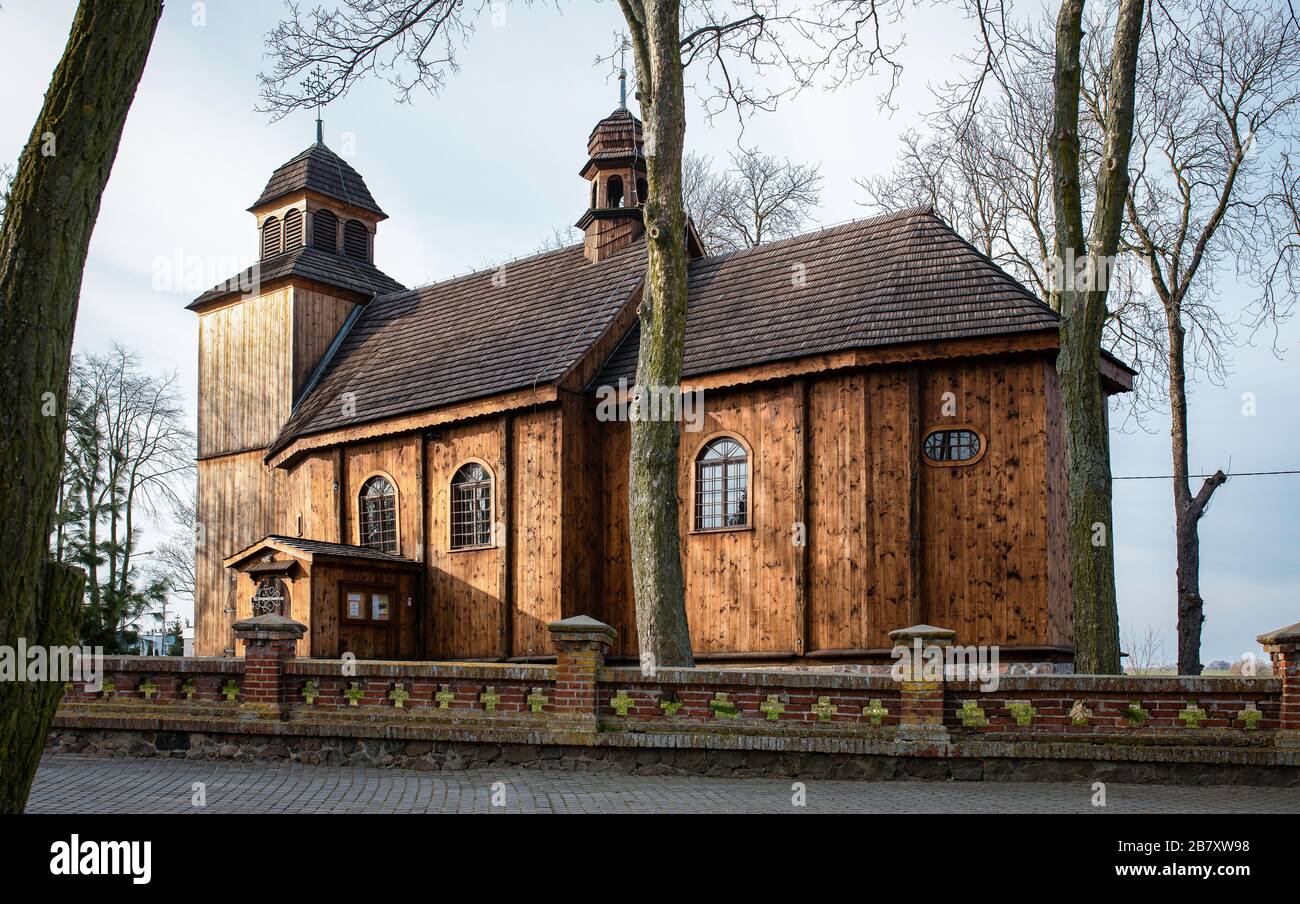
(377, 512)
(471, 507)
(325, 231)
(722, 485)
(953, 446)
(614, 191)
(293, 229)
(356, 243)
(270, 237)
(642, 192)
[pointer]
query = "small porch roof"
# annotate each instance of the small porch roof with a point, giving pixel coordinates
(309, 550)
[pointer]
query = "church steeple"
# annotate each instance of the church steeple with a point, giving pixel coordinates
(616, 171)
(317, 200)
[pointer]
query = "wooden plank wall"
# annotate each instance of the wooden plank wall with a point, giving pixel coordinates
(536, 572)
(985, 539)
(236, 505)
(836, 453)
(464, 589)
(583, 507)
(613, 555)
(331, 636)
(308, 502)
(317, 318)
(245, 373)
(397, 458)
(740, 590)
(860, 461)
(978, 561)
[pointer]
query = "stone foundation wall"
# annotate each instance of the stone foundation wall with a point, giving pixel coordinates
(1042, 763)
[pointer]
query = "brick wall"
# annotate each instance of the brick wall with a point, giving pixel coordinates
(580, 701)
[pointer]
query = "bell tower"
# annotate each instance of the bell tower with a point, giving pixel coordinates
(263, 336)
(616, 171)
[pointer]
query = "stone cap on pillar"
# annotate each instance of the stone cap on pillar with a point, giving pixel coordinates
(929, 635)
(1287, 635)
(581, 629)
(269, 627)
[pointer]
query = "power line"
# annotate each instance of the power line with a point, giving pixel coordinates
(1190, 476)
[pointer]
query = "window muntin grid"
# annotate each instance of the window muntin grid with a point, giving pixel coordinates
(471, 507)
(951, 446)
(378, 515)
(722, 486)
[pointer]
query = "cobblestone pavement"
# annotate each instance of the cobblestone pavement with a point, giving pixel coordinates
(74, 784)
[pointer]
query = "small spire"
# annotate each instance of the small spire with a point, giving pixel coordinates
(622, 73)
(320, 130)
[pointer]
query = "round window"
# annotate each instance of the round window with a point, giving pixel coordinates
(952, 446)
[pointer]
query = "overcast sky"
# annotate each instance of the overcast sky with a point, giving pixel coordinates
(488, 169)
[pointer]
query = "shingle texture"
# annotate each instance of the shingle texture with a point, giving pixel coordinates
(309, 263)
(336, 549)
(899, 278)
(904, 277)
(526, 323)
(320, 170)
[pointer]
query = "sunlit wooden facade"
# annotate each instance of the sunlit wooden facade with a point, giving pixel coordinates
(430, 473)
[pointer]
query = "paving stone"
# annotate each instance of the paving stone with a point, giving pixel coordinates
(77, 784)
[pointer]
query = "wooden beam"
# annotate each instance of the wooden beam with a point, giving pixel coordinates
(506, 515)
(492, 405)
(916, 609)
(340, 501)
(1041, 342)
(800, 390)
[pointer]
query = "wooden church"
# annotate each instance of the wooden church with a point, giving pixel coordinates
(425, 473)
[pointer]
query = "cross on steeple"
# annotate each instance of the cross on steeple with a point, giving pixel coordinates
(315, 85)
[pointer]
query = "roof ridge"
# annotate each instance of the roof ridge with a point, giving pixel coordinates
(840, 226)
(517, 260)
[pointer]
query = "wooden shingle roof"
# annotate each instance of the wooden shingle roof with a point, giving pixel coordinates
(902, 277)
(525, 323)
(320, 170)
(308, 263)
(309, 548)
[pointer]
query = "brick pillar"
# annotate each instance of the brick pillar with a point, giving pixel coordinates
(1283, 647)
(581, 643)
(269, 641)
(920, 717)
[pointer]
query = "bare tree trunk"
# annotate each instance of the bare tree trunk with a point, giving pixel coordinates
(1085, 265)
(659, 586)
(1188, 509)
(51, 212)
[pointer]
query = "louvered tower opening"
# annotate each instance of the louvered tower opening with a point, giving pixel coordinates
(356, 244)
(271, 238)
(325, 231)
(293, 230)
